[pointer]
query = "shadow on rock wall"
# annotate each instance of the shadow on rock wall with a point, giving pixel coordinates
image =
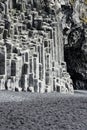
(76, 57)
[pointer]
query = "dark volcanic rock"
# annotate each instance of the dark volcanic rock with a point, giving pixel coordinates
(76, 47)
(76, 58)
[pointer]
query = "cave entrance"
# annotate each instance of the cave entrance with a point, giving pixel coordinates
(74, 59)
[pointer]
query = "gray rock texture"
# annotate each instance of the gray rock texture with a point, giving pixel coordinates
(75, 38)
(24, 111)
(24, 25)
(32, 47)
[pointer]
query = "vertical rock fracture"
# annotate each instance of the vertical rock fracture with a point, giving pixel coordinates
(31, 47)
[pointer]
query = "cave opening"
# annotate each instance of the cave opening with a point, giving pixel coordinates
(76, 59)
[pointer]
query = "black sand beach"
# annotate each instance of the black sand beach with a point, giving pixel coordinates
(26, 111)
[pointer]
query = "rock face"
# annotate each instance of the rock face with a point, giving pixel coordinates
(32, 48)
(33, 35)
(75, 37)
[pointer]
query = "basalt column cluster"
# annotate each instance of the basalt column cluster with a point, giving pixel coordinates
(31, 49)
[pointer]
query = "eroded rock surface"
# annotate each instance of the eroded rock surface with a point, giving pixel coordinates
(31, 42)
(75, 38)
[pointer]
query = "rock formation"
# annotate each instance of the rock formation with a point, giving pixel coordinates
(31, 46)
(75, 36)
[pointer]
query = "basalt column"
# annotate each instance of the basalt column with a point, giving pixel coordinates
(60, 41)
